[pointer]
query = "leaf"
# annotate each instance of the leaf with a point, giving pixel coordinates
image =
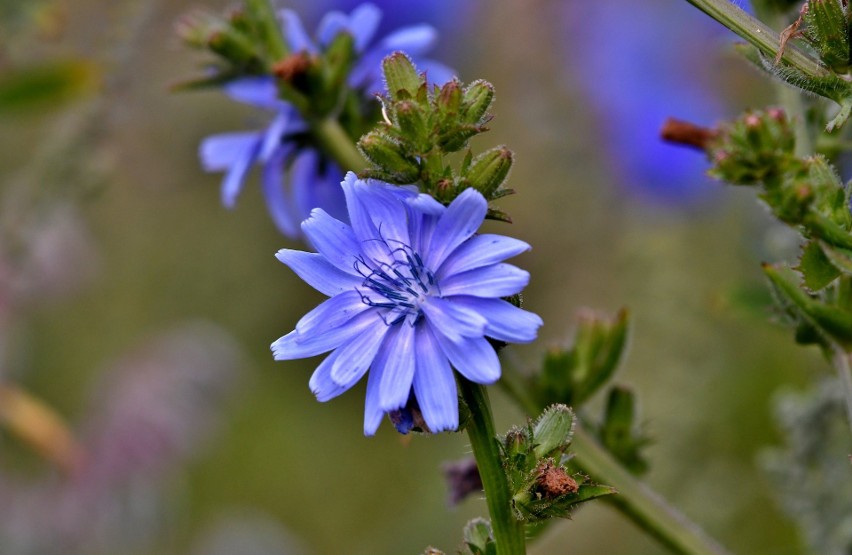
(815, 267)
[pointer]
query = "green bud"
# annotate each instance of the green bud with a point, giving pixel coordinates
(753, 148)
(413, 125)
(477, 99)
(232, 46)
(479, 538)
(449, 100)
(553, 430)
(401, 76)
(456, 138)
(196, 28)
(488, 171)
(827, 30)
(393, 164)
(618, 431)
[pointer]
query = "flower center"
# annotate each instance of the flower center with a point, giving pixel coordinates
(397, 287)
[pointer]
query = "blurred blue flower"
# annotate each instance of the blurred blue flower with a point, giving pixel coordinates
(636, 81)
(311, 180)
(414, 292)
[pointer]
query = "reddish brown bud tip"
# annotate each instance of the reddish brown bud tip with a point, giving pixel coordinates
(687, 134)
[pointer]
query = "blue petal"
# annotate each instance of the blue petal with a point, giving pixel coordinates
(304, 177)
(331, 24)
(233, 182)
(378, 218)
(274, 135)
(363, 22)
(333, 239)
(481, 250)
(506, 322)
(260, 92)
(413, 40)
(321, 383)
(455, 321)
(280, 207)
(318, 272)
(461, 220)
(397, 364)
(474, 358)
(295, 345)
(331, 313)
(434, 384)
(373, 412)
(498, 280)
(294, 32)
(220, 152)
(357, 355)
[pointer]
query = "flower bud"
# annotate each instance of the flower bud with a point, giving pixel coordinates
(553, 430)
(395, 166)
(400, 76)
(489, 170)
(476, 101)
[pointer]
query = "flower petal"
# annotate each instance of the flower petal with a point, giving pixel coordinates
(273, 136)
(461, 220)
(373, 412)
(233, 183)
(331, 313)
(454, 321)
(220, 152)
(318, 272)
(357, 355)
(481, 250)
(497, 280)
(397, 367)
(363, 22)
(506, 322)
(413, 40)
(257, 91)
(294, 32)
(331, 24)
(304, 178)
(295, 345)
(279, 206)
(474, 358)
(378, 218)
(333, 239)
(321, 383)
(434, 384)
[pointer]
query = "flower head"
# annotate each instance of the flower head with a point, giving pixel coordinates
(283, 147)
(414, 293)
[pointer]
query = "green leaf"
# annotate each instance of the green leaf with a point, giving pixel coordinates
(815, 267)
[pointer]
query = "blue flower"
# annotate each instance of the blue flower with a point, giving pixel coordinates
(414, 293)
(311, 180)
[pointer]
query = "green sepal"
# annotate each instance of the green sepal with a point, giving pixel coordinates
(834, 322)
(533, 506)
(392, 164)
(488, 171)
(827, 31)
(619, 432)
(571, 376)
(479, 538)
(401, 76)
(553, 431)
(839, 257)
(476, 101)
(816, 268)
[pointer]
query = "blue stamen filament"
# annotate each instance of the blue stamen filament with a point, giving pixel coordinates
(397, 288)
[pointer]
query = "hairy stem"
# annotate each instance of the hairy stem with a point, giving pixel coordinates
(647, 509)
(508, 531)
(754, 31)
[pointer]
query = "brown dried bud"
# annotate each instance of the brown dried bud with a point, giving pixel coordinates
(687, 134)
(554, 481)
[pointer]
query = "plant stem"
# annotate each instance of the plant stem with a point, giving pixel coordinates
(334, 141)
(647, 509)
(840, 360)
(508, 531)
(640, 503)
(754, 31)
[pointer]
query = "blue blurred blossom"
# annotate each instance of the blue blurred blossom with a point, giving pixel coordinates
(311, 180)
(637, 79)
(414, 292)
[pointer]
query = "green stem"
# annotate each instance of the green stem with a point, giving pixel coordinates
(334, 141)
(508, 531)
(754, 31)
(647, 509)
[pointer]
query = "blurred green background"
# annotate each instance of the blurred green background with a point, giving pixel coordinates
(120, 148)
